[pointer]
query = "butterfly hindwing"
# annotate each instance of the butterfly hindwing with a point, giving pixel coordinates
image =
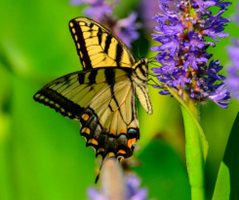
(103, 100)
(97, 46)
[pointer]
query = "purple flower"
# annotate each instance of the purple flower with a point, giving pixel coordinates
(236, 17)
(146, 10)
(220, 96)
(222, 3)
(182, 32)
(204, 4)
(167, 62)
(102, 11)
(193, 60)
(114, 184)
(195, 41)
(169, 43)
(213, 70)
(98, 9)
(180, 79)
(133, 190)
(126, 29)
(233, 68)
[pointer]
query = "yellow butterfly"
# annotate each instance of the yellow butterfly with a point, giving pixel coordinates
(102, 96)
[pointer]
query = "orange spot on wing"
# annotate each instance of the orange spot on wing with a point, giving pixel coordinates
(93, 141)
(112, 131)
(111, 154)
(100, 150)
(122, 130)
(85, 117)
(105, 130)
(121, 152)
(131, 142)
(87, 130)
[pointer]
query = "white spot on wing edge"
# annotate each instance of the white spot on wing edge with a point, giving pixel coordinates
(37, 95)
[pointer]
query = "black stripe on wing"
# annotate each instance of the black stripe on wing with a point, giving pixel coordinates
(107, 43)
(119, 52)
(59, 103)
(99, 47)
(80, 43)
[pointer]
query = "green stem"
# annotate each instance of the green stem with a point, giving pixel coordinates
(196, 148)
(194, 153)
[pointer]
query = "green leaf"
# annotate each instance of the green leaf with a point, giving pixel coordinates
(228, 176)
(163, 173)
(159, 120)
(36, 42)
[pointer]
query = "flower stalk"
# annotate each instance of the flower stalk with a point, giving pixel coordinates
(194, 155)
(196, 147)
(116, 185)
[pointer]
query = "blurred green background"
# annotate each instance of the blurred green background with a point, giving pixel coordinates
(42, 155)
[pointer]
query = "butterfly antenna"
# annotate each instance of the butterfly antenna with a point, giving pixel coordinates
(154, 64)
(152, 74)
(153, 81)
(133, 47)
(151, 59)
(138, 49)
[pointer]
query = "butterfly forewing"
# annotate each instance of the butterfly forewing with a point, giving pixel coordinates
(98, 47)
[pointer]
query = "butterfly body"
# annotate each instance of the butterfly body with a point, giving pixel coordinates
(103, 95)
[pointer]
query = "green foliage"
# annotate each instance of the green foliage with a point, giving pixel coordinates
(227, 181)
(163, 172)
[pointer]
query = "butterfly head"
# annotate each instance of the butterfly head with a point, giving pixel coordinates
(144, 61)
(141, 69)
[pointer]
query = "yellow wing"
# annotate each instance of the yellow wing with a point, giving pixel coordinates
(97, 46)
(104, 102)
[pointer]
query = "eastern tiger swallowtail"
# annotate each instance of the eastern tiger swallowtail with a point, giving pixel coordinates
(102, 96)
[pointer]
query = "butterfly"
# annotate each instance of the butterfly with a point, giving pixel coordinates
(102, 97)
